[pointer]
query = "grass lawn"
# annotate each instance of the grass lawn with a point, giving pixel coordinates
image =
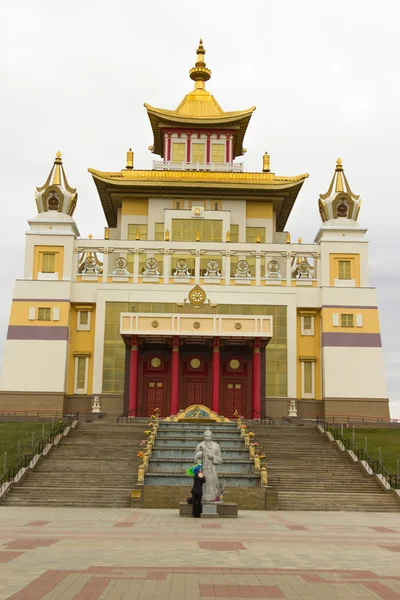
(387, 439)
(11, 433)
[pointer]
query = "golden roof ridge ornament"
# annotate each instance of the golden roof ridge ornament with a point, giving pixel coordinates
(200, 74)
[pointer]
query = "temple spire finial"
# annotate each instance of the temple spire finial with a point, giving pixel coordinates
(200, 74)
(57, 169)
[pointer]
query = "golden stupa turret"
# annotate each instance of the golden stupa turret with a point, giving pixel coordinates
(56, 194)
(199, 110)
(339, 201)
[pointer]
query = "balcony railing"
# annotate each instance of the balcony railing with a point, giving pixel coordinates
(161, 165)
(164, 262)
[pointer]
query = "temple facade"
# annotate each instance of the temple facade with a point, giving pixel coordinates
(196, 294)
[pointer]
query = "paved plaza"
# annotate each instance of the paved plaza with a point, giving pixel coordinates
(98, 554)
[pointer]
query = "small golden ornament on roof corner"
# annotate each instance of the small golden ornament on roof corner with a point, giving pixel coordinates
(339, 165)
(90, 236)
(106, 233)
(167, 235)
(288, 238)
(228, 236)
(299, 241)
(258, 237)
(129, 159)
(137, 237)
(58, 154)
(266, 162)
(198, 235)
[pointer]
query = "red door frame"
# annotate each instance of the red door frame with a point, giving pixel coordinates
(202, 374)
(242, 375)
(160, 373)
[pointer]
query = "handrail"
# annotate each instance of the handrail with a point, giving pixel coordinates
(11, 472)
(347, 416)
(376, 466)
(132, 414)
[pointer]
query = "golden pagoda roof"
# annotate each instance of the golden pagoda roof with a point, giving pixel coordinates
(199, 109)
(281, 190)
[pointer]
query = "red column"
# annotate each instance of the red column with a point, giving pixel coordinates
(175, 376)
(215, 376)
(133, 377)
(208, 150)
(256, 379)
(188, 148)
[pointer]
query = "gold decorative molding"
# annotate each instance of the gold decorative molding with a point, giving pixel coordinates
(197, 413)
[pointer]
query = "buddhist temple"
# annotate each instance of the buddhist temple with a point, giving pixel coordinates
(196, 294)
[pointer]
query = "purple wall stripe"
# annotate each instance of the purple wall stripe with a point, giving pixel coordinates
(354, 340)
(40, 300)
(349, 306)
(37, 332)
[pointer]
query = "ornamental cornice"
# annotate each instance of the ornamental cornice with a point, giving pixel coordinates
(197, 252)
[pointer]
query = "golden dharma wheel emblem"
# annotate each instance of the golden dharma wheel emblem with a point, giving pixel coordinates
(155, 324)
(155, 362)
(238, 326)
(196, 325)
(234, 364)
(195, 363)
(197, 295)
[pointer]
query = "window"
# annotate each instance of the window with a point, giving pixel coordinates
(81, 374)
(184, 230)
(218, 153)
(251, 234)
(48, 262)
(198, 152)
(159, 232)
(83, 318)
(234, 233)
(344, 269)
(215, 206)
(177, 205)
(308, 377)
(178, 151)
(347, 320)
(132, 229)
(307, 324)
(44, 314)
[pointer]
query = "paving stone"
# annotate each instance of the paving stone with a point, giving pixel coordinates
(125, 554)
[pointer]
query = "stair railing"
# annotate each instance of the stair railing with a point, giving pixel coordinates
(128, 417)
(25, 461)
(377, 467)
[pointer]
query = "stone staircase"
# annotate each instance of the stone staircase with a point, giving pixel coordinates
(174, 452)
(166, 482)
(95, 466)
(309, 473)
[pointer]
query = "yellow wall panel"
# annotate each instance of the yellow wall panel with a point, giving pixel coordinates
(260, 210)
(80, 341)
(20, 313)
(334, 267)
(370, 318)
(37, 259)
(135, 207)
(310, 346)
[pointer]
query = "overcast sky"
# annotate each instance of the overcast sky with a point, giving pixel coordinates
(323, 75)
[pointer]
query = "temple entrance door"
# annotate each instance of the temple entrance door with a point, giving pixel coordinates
(195, 374)
(155, 396)
(234, 398)
(194, 392)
